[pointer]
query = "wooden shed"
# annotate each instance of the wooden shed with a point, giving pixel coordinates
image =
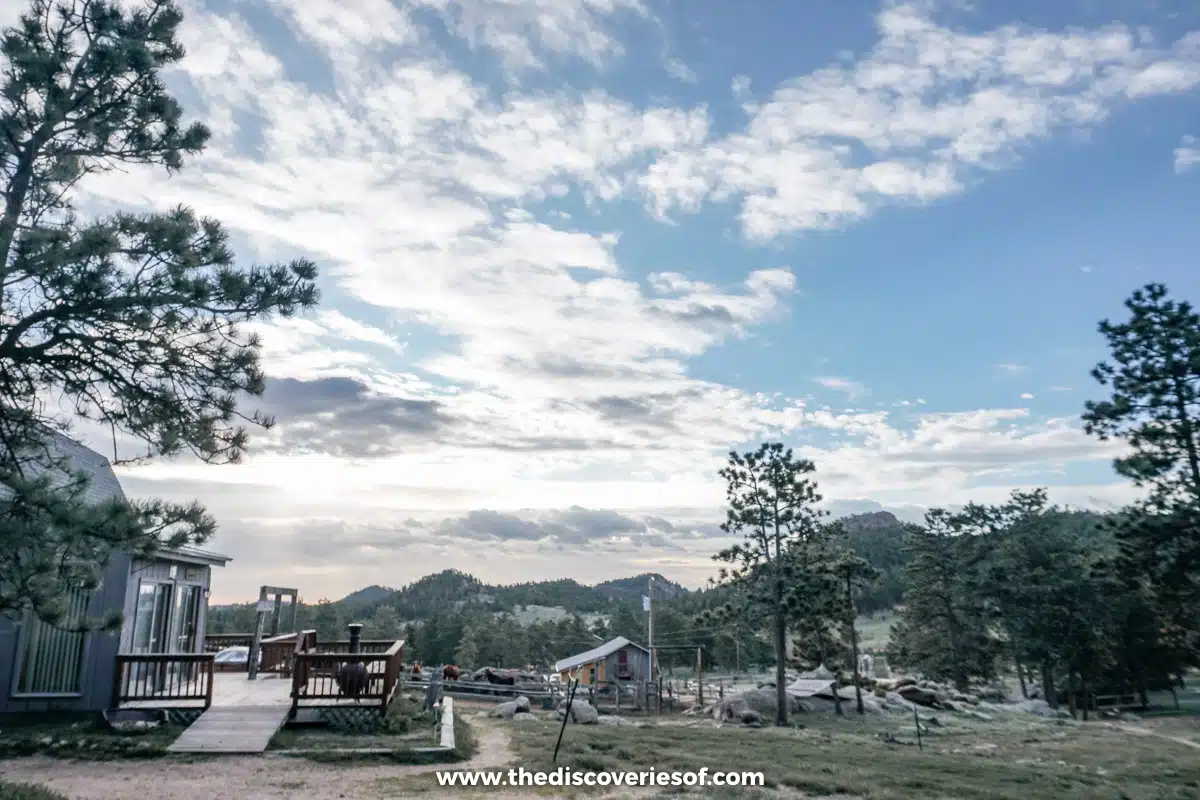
(619, 660)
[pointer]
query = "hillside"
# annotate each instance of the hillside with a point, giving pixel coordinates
(369, 595)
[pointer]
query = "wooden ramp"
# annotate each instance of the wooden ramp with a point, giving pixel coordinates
(244, 716)
(245, 729)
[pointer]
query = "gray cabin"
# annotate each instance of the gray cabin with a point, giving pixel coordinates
(617, 661)
(164, 599)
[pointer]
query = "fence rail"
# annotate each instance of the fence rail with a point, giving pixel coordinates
(163, 677)
(323, 674)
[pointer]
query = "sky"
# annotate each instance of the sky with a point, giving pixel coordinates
(574, 251)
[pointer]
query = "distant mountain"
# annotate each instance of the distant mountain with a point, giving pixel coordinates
(633, 589)
(451, 589)
(368, 596)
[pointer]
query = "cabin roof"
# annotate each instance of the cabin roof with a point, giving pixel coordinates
(596, 654)
(102, 484)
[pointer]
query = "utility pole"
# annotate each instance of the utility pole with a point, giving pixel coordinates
(650, 622)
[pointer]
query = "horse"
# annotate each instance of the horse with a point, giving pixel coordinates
(415, 671)
(498, 678)
(450, 672)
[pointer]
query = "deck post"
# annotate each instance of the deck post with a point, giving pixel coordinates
(118, 676)
(209, 668)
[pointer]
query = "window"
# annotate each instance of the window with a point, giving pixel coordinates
(52, 658)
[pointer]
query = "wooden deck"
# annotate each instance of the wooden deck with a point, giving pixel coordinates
(244, 715)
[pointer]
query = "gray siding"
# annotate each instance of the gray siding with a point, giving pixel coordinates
(638, 660)
(98, 657)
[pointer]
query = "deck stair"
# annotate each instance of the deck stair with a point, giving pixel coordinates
(240, 729)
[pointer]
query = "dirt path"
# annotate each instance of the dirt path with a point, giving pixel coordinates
(1136, 731)
(269, 777)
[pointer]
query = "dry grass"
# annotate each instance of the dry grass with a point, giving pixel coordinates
(1023, 758)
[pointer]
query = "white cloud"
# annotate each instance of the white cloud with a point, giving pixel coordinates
(914, 120)
(541, 367)
(852, 389)
(1012, 369)
(1026, 396)
(1187, 155)
(679, 70)
(522, 31)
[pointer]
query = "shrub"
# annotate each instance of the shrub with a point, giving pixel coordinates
(27, 791)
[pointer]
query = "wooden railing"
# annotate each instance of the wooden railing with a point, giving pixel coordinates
(315, 673)
(365, 646)
(216, 642)
(163, 678)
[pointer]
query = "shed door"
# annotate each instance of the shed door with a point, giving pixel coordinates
(623, 670)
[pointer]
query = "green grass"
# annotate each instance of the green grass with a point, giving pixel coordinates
(874, 629)
(79, 736)
(1021, 759)
(27, 791)
(405, 728)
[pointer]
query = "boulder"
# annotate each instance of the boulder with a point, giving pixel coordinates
(613, 720)
(581, 712)
(749, 715)
(525, 718)
(522, 704)
(505, 710)
(919, 695)
(761, 700)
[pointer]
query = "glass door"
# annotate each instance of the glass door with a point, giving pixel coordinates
(152, 622)
(187, 617)
(152, 630)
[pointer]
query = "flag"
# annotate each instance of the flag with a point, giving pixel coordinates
(645, 603)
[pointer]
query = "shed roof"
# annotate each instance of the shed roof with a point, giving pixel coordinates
(596, 654)
(194, 555)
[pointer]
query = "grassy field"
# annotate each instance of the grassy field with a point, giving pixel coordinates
(1023, 758)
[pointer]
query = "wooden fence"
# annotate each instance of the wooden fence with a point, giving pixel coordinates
(163, 677)
(316, 666)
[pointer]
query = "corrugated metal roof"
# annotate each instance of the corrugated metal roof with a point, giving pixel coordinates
(596, 654)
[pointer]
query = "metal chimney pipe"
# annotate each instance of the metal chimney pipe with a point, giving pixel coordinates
(355, 637)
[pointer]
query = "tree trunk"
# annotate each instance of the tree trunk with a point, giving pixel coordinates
(1048, 692)
(781, 716)
(854, 648)
(1083, 690)
(1020, 672)
(1071, 692)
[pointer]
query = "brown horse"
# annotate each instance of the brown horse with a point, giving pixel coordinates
(416, 669)
(450, 673)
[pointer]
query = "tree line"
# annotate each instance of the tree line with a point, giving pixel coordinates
(1073, 603)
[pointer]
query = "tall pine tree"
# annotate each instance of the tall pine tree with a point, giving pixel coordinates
(131, 320)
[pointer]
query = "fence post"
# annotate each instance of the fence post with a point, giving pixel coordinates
(208, 693)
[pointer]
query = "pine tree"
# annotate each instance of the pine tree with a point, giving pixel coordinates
(131, 319)
(943, 631)
(1154, 377)
(854, 573)
(772, 504)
